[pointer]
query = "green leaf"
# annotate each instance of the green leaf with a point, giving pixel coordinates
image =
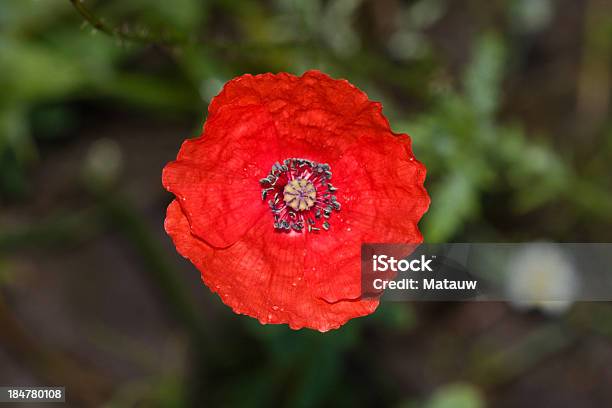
(459, 395)
(453, 200)
(482, 80)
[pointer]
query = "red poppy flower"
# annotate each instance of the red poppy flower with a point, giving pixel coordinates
(273, 201)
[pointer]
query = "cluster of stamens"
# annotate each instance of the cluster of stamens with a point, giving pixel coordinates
(300, 195)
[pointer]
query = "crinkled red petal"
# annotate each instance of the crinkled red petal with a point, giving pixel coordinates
(262, 276)
(305, 280)
(215, 176)
(380, 186)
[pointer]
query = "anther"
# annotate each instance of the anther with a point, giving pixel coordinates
(302, 195)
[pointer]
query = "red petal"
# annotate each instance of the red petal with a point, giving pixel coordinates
(382, 195)
(215, 176)
(305, 280)
(262, 276)
(308, 111)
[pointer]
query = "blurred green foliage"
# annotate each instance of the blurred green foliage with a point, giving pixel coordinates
(456, 396)
(469, 153)
(48, 59)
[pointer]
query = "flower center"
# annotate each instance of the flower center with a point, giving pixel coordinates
(300, 195)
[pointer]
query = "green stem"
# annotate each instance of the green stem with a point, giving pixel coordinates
(131, 36)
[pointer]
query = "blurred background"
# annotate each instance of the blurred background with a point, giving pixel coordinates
(508, 105)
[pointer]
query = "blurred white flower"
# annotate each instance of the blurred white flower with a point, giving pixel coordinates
(541, 276)
(103, 162)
